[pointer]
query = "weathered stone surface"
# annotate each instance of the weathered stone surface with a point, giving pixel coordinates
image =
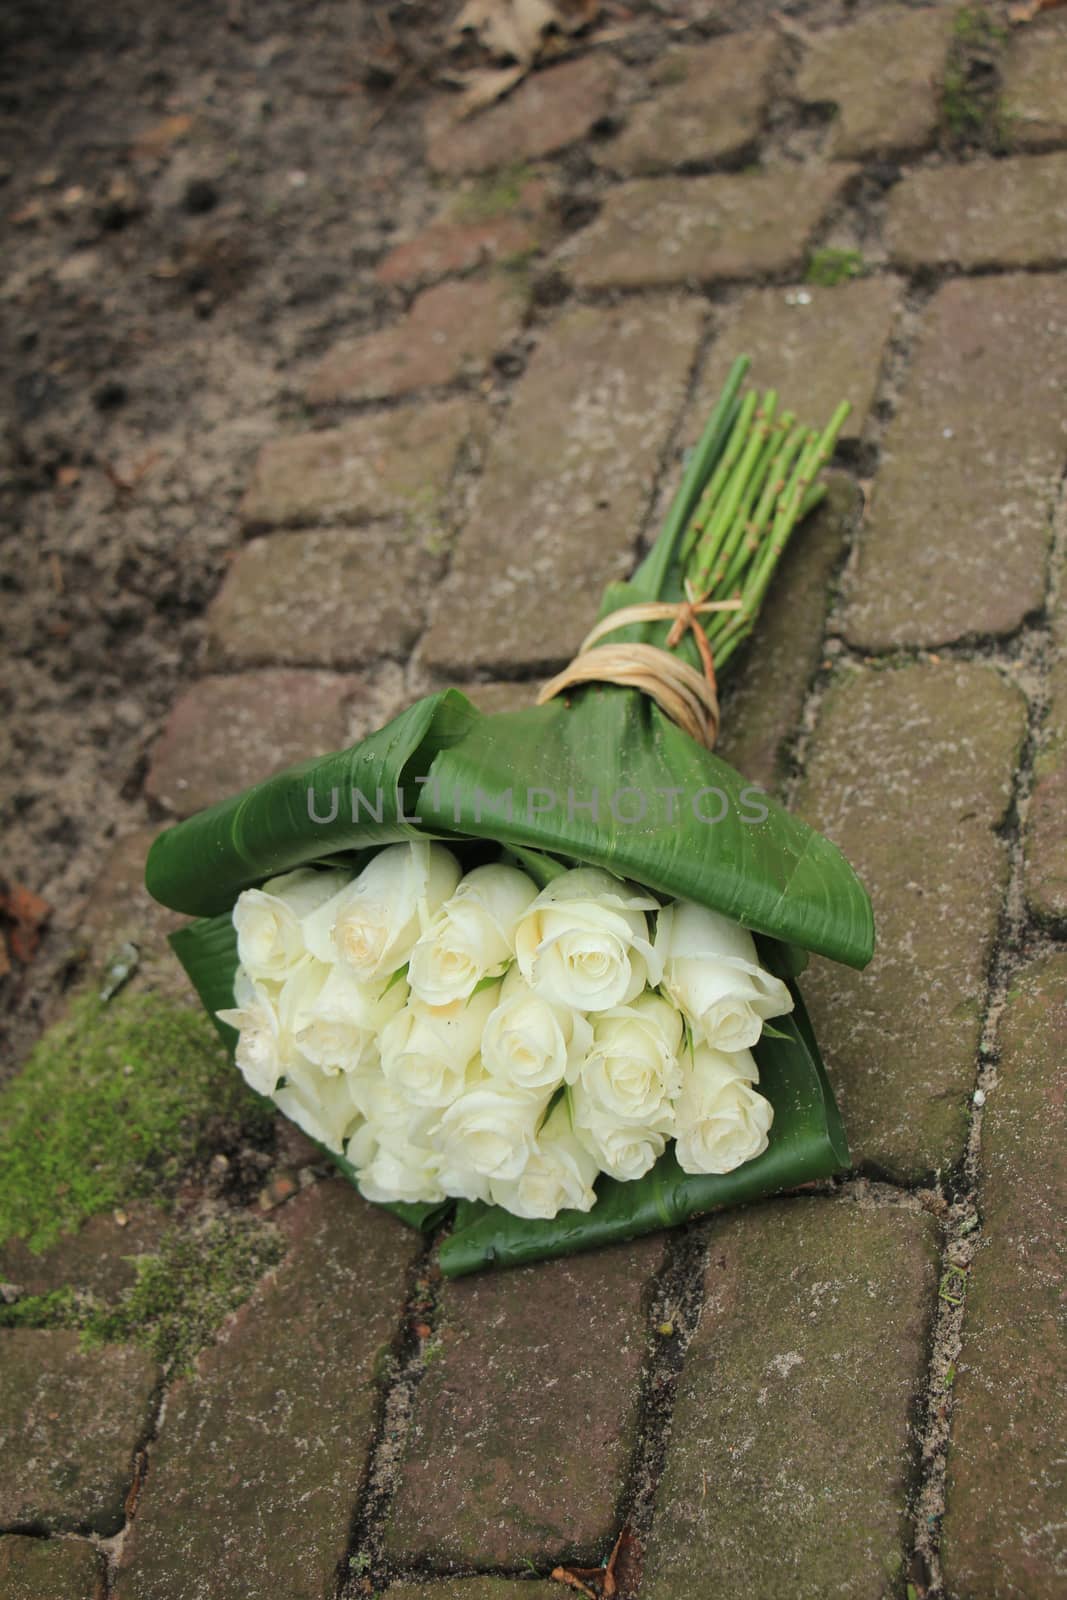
(983, 214)
(1046, 825)
(785, 333)
(883, 74)
(261, 1454)
(694, 230)
(119, 909)
(792, 1452)
(450, 330)
(548, 111)
(1004, 1532)
(476, 1589)
(100, 1259)
(1032, 102)
(49, 1569)
(762, 703)
(327, 597)
(519, 1452)
(709, 106)
(957, 539)
(226, 733)
(396, 463)
(474, 229)
(70, 1422)
(560, 503)
(910, 773)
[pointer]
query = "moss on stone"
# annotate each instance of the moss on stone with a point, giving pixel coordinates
(971, 109)
(59, 1308)
(183, 1293)
(493, 195)
(117, 1101)
(828, 268)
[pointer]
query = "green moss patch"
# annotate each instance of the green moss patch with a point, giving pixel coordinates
(493, 195)
(181, 1295)
(971, 111)
(828, 268)
(116, 1102)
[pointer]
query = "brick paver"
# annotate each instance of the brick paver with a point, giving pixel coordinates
(99, 1259)
(798, 343)
(956, 543)
(1007, 1479)
(450, 331)
(461, 238)
(983, 214)
(691, 231)
(708, 105)
(548, 111)
(398, 463)
(329, 597)
(226, 733)
(566, 483)
(1046, 825)
(883, 75)
(910, 774)
(476, 1589)
(792, 1446)
(71, 1421)
(258, 1468)
(50, 1569)
(1032, 102)
(476, 1489)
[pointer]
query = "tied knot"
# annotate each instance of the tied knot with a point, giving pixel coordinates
(690, 698)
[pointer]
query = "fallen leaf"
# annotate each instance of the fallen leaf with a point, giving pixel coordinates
(1033, 8)
(515, 30)
(155, 142)
(28, 913)
(481, 89)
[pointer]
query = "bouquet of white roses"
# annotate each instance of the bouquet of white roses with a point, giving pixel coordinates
(520, 971)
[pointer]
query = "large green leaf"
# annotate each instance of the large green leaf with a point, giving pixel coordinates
(201, 865)
(775, 875)
(807, 1142)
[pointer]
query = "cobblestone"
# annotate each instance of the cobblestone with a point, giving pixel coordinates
(50, 1569)
(1046, 825)
(1004, 1531)
(361, 593)
(957, 540)
(709, 106)
(1032, 101)
(461, 239)
(257, 1469)
(546, 113)
(792, 1449)
(70, 1422)
(785, 331)
(883, 74)
(396, 463)
(659, 231)
(910, 774)
(984, 214)
(99, 1259)
(450, 331)
(567, 481)
(476, 1490)
(226, 733)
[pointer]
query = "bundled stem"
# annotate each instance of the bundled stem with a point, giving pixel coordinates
(751, 480)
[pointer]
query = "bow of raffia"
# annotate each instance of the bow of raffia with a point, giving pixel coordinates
(690, 698)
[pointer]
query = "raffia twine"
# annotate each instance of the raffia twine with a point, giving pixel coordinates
(690, 698)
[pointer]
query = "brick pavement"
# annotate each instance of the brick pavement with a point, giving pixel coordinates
(848, 1393)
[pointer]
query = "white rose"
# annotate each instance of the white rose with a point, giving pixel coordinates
(392, 1168)
(712, 973)
(372, 925)
(584, 941)
(489, 1131)
(632, 1069)
(266, 1016)
(318, 1102)
(529, 1042)
(472, 935)
(559, 1174)
(624, 1150)
(270, 935)
(427, 1051)
(721, 1121)
(338, 1026)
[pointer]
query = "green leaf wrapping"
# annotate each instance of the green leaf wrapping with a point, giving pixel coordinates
(441, 769)
(807, 1142)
